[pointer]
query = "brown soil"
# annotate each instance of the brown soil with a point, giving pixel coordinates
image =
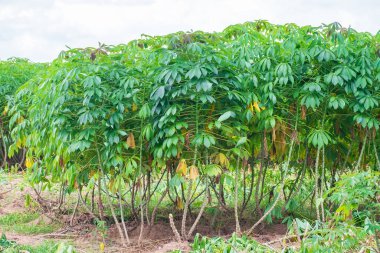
(158, 238)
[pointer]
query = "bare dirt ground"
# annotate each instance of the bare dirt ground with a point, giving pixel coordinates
(157, 238)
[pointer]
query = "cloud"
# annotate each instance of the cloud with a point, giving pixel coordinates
(40, 29)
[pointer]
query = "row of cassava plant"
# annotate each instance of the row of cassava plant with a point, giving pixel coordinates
(13, 73)
(180, 117)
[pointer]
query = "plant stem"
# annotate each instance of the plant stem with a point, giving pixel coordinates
(109, 201)
(376, 155)
(286, 165)
(122, 217)
(361, 152)
(205, 201)
(316, 177)
(322, 183)
(175, 231)
(188, 195)
(141, 187)
(237, 225)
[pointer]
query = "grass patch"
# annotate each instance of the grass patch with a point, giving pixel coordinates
(35, 229)
(47, 246)
(17, 218)
(20, 223)
(3, 177)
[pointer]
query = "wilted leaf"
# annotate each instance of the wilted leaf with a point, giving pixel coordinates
(131, 141)
(182, 168)
(194, 173)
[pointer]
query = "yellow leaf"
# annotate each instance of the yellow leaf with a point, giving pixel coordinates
(194, 173)
(222, 160)
(131, 141)
(29, 162)
(19, 143)
(179, 203)
(250, 107)
(20, 120)
(303, 112)
(256, 106)
(134, 107)
(182, 168)
(112, 185)
(273, 135)
(5, 110)
(101, 246)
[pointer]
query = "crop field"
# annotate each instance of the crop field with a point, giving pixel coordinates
(259, 138)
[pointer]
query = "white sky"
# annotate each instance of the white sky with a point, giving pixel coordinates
(40, 29)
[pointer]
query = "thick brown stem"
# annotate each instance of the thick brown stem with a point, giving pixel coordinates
(205, 201)
(153, 217)
(186, 208)
(265, 215)
(75, 210)
(175, 231)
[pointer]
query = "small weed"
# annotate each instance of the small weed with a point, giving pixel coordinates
(101, 228)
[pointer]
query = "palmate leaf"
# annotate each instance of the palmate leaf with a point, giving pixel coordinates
(311, 100)
(334, 79)
(204, 85)
(319, 138)
(79, 145)
(367, 121)
(158, 93)
(368, 101)
(337, 102)
(310, 87)
(326, 55)
(203, 139)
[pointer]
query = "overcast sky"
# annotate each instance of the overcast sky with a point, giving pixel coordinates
(40, 29)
